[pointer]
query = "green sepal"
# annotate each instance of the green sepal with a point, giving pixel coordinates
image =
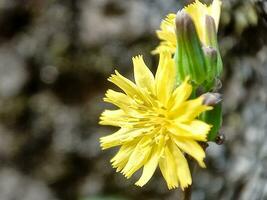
(214, 118)
(211, 63)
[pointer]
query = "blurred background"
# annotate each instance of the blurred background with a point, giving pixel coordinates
(55, 57)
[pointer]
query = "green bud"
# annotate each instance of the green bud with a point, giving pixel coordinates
(201, 62)
(212, 41)
(190, 58)
(212, 99)
(211, 58)
(213, 117)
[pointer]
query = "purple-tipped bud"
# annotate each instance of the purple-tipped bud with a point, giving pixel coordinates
(211, 40)
(212, 99)
(190, 58)
(210, 52)
(211, 56)
(211, 32)
(214, 116)
(185, 22)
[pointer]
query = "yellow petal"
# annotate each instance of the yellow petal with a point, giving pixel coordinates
(167, 35)
(164, 47)
(133, 92)
(152, 163)
(122, 136)
(143, 76)
(183, 171)
(121, 158)
(215, 11)
(180, 94)
(168, 168)
(189, 110)
(139, 157)
(114, 139)
(165, 78)
(192, 148)
(126, 85)
(198, 12)
(119, 99)
(196, 130)
(168, 22)
(113, 118)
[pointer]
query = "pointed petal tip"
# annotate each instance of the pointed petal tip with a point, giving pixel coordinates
(139, 184)
(103, 147)
(173, 186)
(137, 57)
(127, 175)
(203, 165)
(183, 187)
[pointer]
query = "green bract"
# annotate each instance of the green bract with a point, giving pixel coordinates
(202, 63)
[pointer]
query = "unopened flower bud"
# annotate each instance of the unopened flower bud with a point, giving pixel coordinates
(212, 41)
(212, 99)
(210, 52)
(190, 59)
(214, 116)
(211, 63)
(211, 32)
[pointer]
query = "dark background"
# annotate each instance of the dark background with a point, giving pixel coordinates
(55, 57)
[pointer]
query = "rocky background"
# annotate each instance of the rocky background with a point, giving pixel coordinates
(55, 57)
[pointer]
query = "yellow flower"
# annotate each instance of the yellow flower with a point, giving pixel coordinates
(158, 124)
(198, 12)
(167, 35)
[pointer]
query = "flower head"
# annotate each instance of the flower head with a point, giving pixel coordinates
(198, 12)
(167, 35)
(158, 124)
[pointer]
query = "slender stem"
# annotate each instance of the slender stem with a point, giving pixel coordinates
(187, 193)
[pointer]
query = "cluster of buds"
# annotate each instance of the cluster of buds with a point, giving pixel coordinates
(197, 55)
